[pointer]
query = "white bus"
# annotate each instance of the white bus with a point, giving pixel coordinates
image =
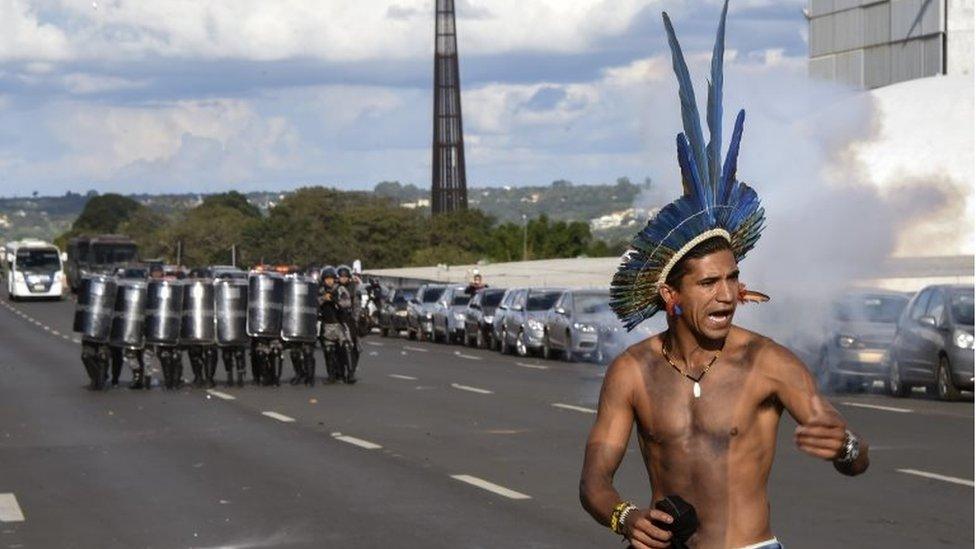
(34, 270)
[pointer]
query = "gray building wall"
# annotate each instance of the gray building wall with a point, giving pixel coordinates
(873, 43)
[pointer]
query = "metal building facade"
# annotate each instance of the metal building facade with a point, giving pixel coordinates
(873, 43)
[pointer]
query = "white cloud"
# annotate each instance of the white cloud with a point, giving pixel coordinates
(187, 142)
(335, 30)
(23, 37)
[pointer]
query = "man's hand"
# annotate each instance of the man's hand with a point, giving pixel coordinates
(823, 435)
(643, 534)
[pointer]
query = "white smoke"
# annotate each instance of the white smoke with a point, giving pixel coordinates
(828, 224)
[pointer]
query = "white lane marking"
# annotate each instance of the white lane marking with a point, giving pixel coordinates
(472, 389)
(47, 329)
(76, 340)
(418, 349)
(221, 395)
(279, 417)
(357, 442)
(469, 357)
(9, 509)
(401, 376)
(533, 366)
(374, 343)
(491, 487)
(55, 332)
(937, 476)
(573, 408)
(879, 407)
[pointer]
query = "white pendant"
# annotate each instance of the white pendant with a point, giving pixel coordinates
(696, 390)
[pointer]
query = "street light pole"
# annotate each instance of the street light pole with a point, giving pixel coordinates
(525, 237)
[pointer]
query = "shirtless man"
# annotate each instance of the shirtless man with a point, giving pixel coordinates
(714, 450)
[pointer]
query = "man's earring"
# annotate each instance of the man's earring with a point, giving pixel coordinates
(677, 309)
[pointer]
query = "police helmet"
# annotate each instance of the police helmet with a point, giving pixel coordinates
(328, 272)
(344, 270)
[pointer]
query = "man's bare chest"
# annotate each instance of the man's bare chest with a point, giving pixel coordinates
(669, 413)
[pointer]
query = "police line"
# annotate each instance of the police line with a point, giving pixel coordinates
(163, 315)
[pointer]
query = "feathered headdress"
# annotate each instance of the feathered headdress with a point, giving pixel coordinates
(714, 203)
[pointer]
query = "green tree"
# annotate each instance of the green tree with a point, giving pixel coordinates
(234, 200)
(105, 213)
(207, 233)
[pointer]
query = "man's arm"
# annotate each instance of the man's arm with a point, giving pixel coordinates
(822, 431)
(605, 449)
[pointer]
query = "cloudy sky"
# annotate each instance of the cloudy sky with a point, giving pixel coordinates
(183, 95)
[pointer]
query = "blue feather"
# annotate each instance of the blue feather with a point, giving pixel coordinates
(714, 106)
(732, 159)
(689, 107)
(691, 181)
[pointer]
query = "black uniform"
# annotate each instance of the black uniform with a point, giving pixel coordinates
(234, 359)
(303, 361)
(266, 360)
(171, 362)
(203, 361)
(96, 357)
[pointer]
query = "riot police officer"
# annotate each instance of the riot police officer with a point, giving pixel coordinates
(230, 319)
(197, 332)
(351, 319)
(93, 318)
(265, 294)
(168, 352)
(128, 334)
(298, 332)
(335, 305)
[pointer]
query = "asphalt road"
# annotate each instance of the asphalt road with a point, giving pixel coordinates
(437, 446)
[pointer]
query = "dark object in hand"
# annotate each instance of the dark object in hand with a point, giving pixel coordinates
(685, 520)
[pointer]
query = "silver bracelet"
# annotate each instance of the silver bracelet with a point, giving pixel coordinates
(623, 515)
(852, 448)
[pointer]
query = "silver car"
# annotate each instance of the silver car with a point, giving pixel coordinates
(480, 317)
(572, 327)
(498, 320)
(448, 315)
(420, 312)
(523, 327)
(858, 334)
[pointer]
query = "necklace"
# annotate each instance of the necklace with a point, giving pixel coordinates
(696, 388)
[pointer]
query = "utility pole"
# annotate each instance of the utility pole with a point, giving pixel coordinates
(449, 190)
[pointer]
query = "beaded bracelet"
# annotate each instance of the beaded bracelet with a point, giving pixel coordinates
(620, 512)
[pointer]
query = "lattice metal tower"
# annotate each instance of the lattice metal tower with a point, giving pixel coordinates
(449, 188)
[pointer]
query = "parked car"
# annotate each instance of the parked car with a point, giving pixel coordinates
(572, 327)
(498, 320)
(448, 314)
(858, 335)
(480, 315)
(933, 345)
(393, 314)
(523, 327)
(420, 311)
